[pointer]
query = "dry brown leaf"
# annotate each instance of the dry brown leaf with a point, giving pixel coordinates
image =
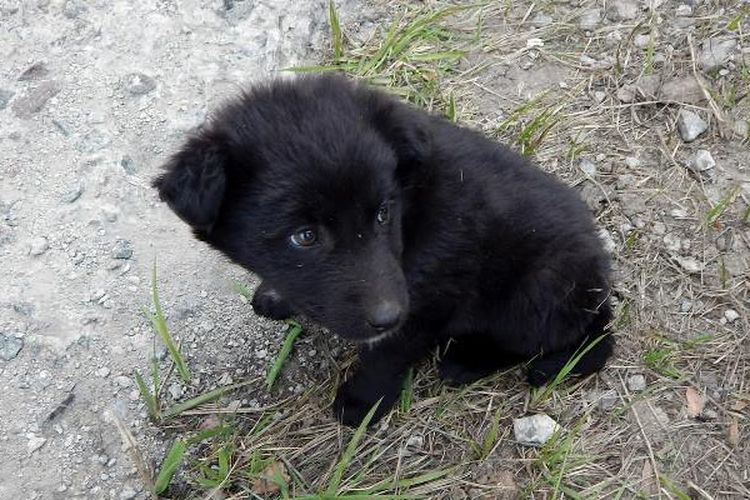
(695, 402)
(265, 484)
(739, 405)
(734, 432)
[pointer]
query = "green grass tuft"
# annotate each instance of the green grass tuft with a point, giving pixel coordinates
(348, 455)
(160, 326)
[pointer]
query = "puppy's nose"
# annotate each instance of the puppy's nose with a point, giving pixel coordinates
(385, 315)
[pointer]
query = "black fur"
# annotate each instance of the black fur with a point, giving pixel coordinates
(477, 251)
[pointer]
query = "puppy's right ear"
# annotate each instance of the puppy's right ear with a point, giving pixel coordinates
(194, 182)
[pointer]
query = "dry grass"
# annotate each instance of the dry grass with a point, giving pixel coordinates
(615, 443)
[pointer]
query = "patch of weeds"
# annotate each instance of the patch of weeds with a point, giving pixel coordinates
(410, 59)
(152, 394)
(648, 61)
(489, 440)
(662, 358)
(632, 239)
(734, 23)
(159, 324)
(673, 489)
(530, 123)
(622, 315)
(715, 212)
(294, 331)
(557, 458)
(214, 469)
(243, 290)
(539, 395)
(576, 150)
(348, 455)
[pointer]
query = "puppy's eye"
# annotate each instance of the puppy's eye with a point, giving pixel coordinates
(304, 237)
(384, 214)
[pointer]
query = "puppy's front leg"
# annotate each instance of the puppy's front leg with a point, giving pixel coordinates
(380, 375)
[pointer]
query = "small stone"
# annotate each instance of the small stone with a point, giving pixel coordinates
(261, 353)
(9, 347)
(139, 84)
(607, 400)
(587, 167)
(701, 161)
(38, 246)
(123, 381)
(686, 306)
(110, 213)
(741, 129)
(632, 162)
(626, 93)
(73, 194)
(128, 493)
(35, 442)
(715, 53)
(415, 441)
(541, 20)
(683, 11)
(608, 243)
(74, 8)
(534, 430)
(122, 250)
(128, 165)
(5, 97)
(690, 264)
(690, 125)
(35, 99)
(731, 315)
(599, 96)
(590, 19)
(684, 90)
(642, 41)
(34, 72)
(175, 391)
(622, 10)
(636, 383)
(103, 372)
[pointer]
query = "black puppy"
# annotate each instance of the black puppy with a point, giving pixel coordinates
(397, 230)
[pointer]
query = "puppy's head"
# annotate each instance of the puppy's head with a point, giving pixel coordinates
(303, 183)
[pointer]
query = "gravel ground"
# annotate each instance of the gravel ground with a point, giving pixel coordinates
(650, 107)
(93, 97)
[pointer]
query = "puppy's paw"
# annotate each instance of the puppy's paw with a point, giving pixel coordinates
(355, 399)
(268, 303)
(455, 373)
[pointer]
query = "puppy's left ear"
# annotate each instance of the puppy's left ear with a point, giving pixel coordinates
(194, 182)
(407, 129)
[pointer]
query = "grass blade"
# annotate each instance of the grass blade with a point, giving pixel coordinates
(175, 410)
(718, 210)
(543, 393)
(160, 325)
(169, 466)
(407, 392)
(151, 404)
(336, 38)
(409, 482)
(292, 333)
(348, 454)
